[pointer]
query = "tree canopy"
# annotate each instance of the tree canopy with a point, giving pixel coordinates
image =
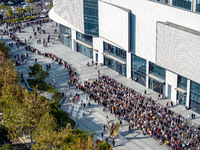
(29, 112)
(37, 72)
(9, 12)
(29, 1)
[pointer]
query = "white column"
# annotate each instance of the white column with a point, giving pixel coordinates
(73, 34)
(128, 65)
(188, 93)
(193, 5)
(170, 2)
(147, 72)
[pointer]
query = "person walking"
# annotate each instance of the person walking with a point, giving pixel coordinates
(102, 135)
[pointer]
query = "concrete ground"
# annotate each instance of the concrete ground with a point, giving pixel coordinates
(91, 121)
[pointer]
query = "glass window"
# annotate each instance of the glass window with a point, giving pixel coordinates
(115, 65)
(182, 82)
(198, 6)
(65, 30)
(84, 38)
(161, 1)
(195, 96)
(115, 51)
(157, 70)
(65, 36)
(156, 86)
(182, 3)
(91, 21)
(84, 50)
(138, 69)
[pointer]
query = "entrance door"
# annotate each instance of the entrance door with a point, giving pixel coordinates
(182, 98)
(169, 91)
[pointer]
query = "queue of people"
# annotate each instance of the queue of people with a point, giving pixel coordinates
(143, 113)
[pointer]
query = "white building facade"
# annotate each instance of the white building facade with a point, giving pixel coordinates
(154, 42)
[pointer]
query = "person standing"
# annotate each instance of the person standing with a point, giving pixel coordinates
(68, 84)
(113, 142)
(102, 135)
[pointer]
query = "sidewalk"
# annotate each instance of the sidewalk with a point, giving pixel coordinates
(78, 61)
(95, 120)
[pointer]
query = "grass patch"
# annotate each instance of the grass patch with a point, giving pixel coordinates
(57, 97)
(41, 85)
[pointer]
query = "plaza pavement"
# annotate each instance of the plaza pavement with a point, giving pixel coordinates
(95, 120)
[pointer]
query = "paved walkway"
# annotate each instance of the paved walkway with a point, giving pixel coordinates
(95, 120)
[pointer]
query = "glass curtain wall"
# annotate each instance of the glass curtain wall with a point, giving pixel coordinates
(118, 53)
(115, 65)
(195, 96)
(65, 36)
(138, 69)
(198, 6)
(157, 71)
(114, 51)
(182, 3)
(160, 73)
(84, 38)
(91, 20)
(84, 50)
(162, 1)
(182, 83)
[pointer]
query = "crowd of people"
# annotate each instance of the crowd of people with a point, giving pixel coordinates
(143, 113)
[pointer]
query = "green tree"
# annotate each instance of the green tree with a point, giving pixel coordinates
(104, 146)
(37, 72)
(41, 75)
(34, 69)
(51, 5)
(29, 1)
(33, 108)
(9, 13)
(45, 133)
(20, 11)
(7, 147)
(29, 9)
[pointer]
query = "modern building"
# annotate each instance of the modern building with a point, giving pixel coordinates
(154, 42)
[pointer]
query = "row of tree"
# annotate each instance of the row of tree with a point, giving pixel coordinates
(29, 112)
(20, 11)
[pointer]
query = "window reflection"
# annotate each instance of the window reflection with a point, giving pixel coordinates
(115, 51)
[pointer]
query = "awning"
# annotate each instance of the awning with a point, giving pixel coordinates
(114, 58)
(87, 45)
(156, 78)
(180, 90)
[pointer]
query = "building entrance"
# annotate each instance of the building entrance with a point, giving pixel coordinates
(181, 98)
(157, 86)
(115, 65)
